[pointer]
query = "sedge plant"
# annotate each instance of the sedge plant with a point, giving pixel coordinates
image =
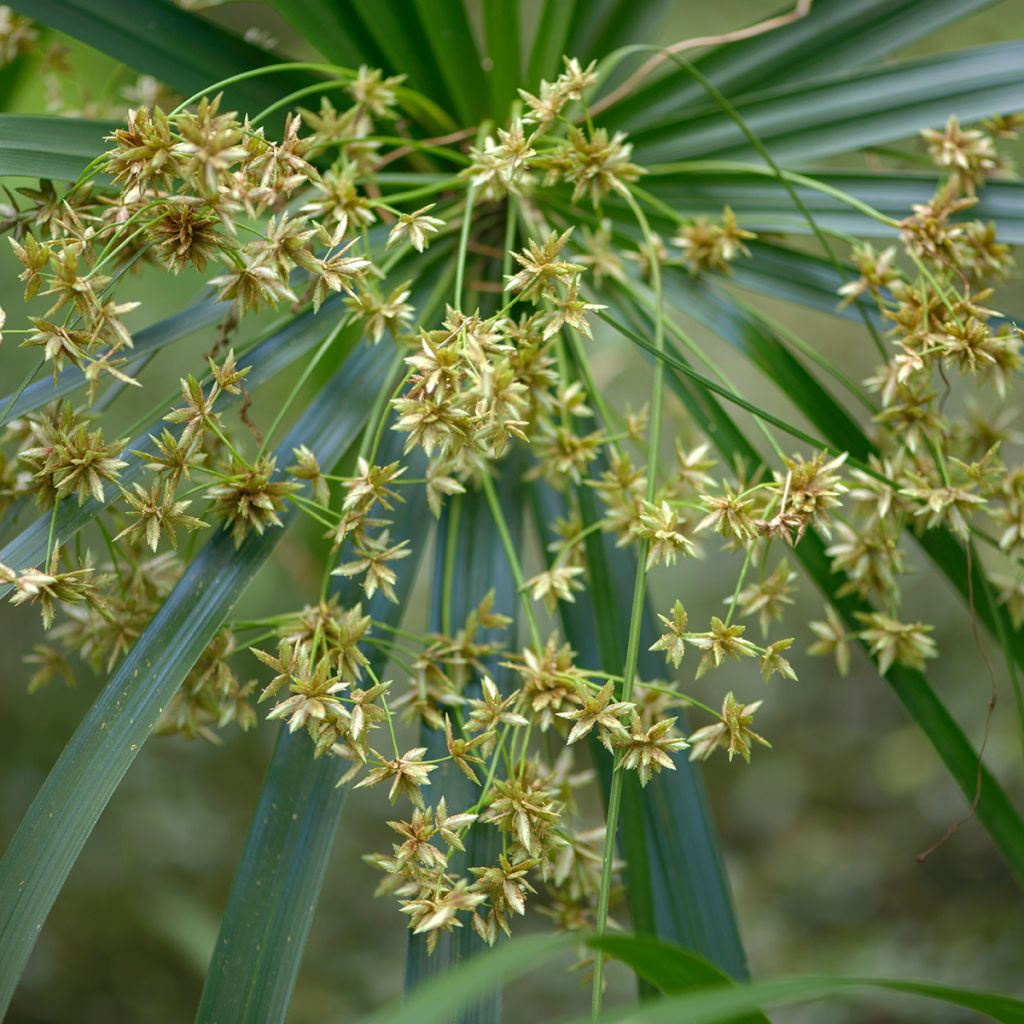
(429, 229)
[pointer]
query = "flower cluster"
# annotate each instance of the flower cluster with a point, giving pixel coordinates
(485, 290)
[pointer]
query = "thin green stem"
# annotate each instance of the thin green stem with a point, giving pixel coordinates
(637, 609)
(460, 262)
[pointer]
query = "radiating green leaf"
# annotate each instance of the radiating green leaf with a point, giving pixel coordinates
(846, 112)
(723, 1004)
(797, 277)
(835, 36)
(469, 562)
(443, 998)
(278, 881)
(450, 37)
(58, 823)
(549, 42)
(677, 887)
(400, 35)
(669, 968)
(334, 31)
(49, 147)
(502, 39)
(601, 26)
(778, 365)
(762, 204)
(436, 1002)
(158, 38)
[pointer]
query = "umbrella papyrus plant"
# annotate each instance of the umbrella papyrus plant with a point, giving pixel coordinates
(430, 226)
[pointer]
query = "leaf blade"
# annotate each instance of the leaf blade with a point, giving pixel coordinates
(835, 36)
(49, 147)
(186, 52)
(278, 881)
(847, 112)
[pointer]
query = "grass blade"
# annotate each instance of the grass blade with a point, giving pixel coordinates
(49, 147)
(549, 41)
(157, 38)
(331, 27)
(501, 32)
(469, 562)
(398, 33)
(103, 747)
(447, 30)
(712, 1004)
(703, 188)
(849, 112)
(836, 36)
(441, 999)
(677, 887)
(670, 969)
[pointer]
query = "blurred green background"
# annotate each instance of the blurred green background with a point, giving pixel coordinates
(820, 833)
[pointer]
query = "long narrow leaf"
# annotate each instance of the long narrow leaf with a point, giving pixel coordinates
(158, 38)
(762, 204)
(441, 999)
(835, 36)
(669, 968)
(448, 32)
(469, 543)
(677, 887)
(279, 878)
(713, 1004)
(331, 28)
(399, 33)
(549, 41)
(501, 28)
(103, 747)
(49, 147)
(848, 112)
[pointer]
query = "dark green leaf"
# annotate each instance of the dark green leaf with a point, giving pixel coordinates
(278, 881)
(835, 36)
(669, 968)
(762, 204)
(333, 30)
(549, 42)
(158, 38)
(447, 30)
(441, 999)
(400, 35)
(849, 111)
(50, 147)
(502, 35)
(469, 562)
